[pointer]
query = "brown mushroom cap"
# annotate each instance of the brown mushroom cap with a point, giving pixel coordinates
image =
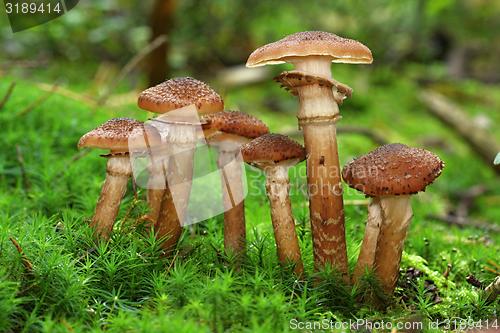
(180, 92)
(112, 135)
(393, 169)
(234, 122)
(272, 148)
(311, 43)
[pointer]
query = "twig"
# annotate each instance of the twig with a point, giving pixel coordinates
(131, 65)
(474, 281)
(463, 222)
(68, 93)
(26, 262)
(172, 262)
(452, 115)
(370, 134)
(39, 101)
(7, 95)
(493, 289)
(24, 175)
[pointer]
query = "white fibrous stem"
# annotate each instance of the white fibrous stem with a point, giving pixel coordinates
(181, 144)
(156, 190)
(287, 243)
(233, 198)
(317, 115)
(118, 172)
(397, 214)
(366, 258)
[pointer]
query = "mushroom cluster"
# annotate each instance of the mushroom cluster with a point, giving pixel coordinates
(190, 111)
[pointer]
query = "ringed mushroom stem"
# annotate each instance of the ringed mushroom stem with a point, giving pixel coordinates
(317, 114)
(182, 143)
(287, 243)
(396, 217)
(233, 199)
(118, 172)
(366, 258)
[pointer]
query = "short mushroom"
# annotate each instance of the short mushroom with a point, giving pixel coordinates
(228, 131)
(174, 98)
(312, 53)
(113, 135)
(275, 154)
(389, 174)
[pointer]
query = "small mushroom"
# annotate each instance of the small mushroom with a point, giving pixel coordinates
(181, 100)
(228, 131)
(275, 154)
(113, 135)
(389, 174)
(311, 53)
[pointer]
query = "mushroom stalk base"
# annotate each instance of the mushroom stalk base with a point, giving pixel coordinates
(366, 258)
(118, 172)
(176, 198)
(287, 243)
(234, 204)
(317, 114)
(397, 214)
(155, 193)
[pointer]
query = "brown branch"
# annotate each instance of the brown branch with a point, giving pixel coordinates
(26, 262)
(7, 95)
(478, 139)
(160, 40)
(463, 222)
(39, 101)
(68, 93)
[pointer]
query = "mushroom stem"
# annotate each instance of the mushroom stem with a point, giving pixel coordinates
(234, 204)
(181, 140)
(287, 243)
(396, 217)
(366, 258)
(118, 172)
(314, 65)
(317, 114)
(155, 195)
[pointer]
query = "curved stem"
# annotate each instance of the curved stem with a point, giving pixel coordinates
(396, 213)
(366, 258)
(287, 243)
(118, 172)
(233, 200)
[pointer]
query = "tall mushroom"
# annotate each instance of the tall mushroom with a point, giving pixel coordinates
(389, 174)
(113, 135)
(312, 53)
(228, 131)
(175, 97)
(275, 154)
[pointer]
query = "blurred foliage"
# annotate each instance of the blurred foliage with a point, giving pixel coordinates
(209, 34)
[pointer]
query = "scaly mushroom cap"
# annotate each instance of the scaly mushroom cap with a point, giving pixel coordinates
(180, 92)
(112, 135)
(393, 169)
(235, 123)
(272, 148)
(311, 43)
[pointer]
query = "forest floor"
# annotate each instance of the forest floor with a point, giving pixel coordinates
(66, 282)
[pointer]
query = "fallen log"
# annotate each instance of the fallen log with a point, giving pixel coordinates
(481, 142)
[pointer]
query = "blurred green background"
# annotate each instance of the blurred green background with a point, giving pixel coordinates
(434, 83)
